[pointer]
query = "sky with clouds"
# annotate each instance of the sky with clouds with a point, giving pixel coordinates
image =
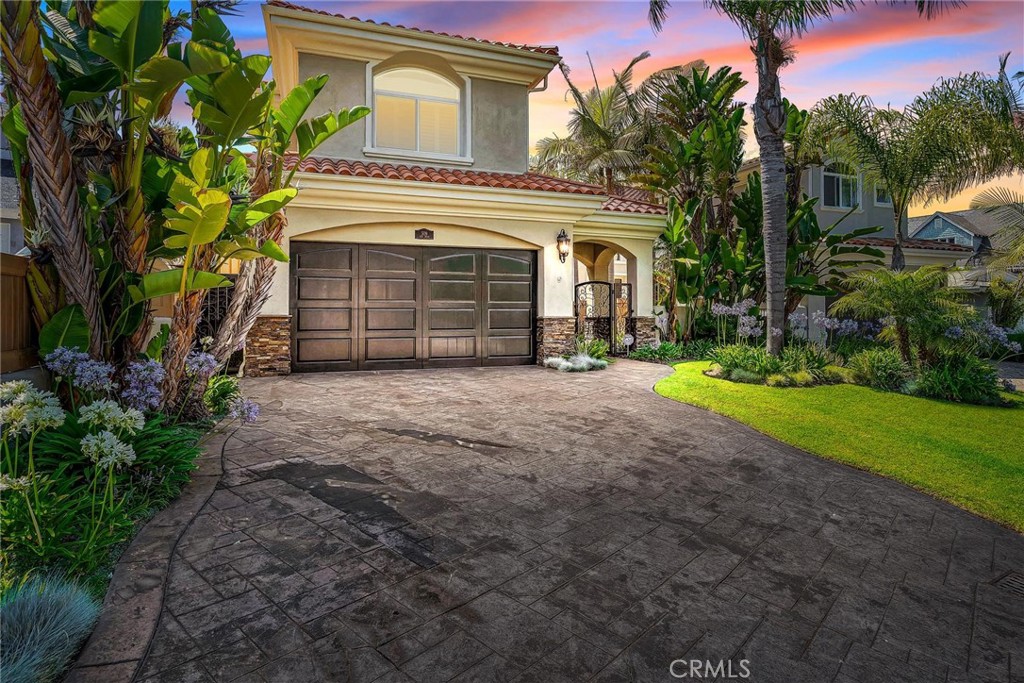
(884, 51)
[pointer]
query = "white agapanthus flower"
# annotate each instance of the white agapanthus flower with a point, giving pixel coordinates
(9, 483)
(9, 391)
(32, 410)
(109, 415)
(106, 450)
(44, 417)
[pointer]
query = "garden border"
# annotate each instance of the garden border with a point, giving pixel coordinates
(134, 600)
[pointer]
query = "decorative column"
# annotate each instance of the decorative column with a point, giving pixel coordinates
(268, 348)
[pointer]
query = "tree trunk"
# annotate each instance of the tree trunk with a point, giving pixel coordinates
(60, 213)
(903, 341)
(898, 261)
(769, 127)
(184, 320)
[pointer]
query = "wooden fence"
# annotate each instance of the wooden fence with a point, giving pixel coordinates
(17, 331)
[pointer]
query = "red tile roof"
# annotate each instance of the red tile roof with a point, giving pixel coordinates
(511, 181)
(910, 244)
(539, 49)
(626, 203)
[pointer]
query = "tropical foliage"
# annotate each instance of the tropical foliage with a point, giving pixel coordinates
(125, 205)
(609, 129)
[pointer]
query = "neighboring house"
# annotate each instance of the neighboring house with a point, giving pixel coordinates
(420, 238)
(12, 237)
(973, 229)
(840, 189)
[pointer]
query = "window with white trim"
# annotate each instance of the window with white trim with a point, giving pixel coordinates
(882, 196)
(416, 110)
(840, 187)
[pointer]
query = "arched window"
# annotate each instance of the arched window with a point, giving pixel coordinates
(416, 110)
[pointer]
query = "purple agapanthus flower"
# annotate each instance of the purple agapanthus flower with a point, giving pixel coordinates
(93, 375)
(200, 364)
(245, 410)
(955, 332)
(62, 361)
(1015, 347)
(141, 386)
(798, 321)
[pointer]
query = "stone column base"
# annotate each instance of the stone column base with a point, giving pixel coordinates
(555, 337)
(646, 330)
(268, 348)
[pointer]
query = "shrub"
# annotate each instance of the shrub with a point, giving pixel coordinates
(745, 376)
(778, 380)
(850, 345)
(699, 349)
(881, 368)
(802, 378)
(576, 363)
(220, 393)
(811, 358)
(751, 359)
(45, 621)
(834, 374)
(961, 378)
(595, 348)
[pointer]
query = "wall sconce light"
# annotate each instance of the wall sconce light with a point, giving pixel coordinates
(563, 245)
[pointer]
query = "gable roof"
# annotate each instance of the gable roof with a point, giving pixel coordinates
(538, 49)
(977, 222)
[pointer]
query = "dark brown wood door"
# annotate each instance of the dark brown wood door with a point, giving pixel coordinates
(377, 307)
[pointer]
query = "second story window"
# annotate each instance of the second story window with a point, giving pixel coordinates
(416, 110)
(882, 196)
(841, 187)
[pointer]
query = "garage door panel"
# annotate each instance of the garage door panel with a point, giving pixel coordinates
(518, 346)
(506, 264)
(390, 319)
(337, 258)
(317, 319)
(509, 318)
(382, 290)
(325, 289)
(452, 319)
(324, 350)
(509, 292)
(390, 348)
(452, 347)
(453, 290)
(464, 263)
(378, 307)
(390, 260)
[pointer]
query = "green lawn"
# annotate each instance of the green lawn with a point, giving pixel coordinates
(972, 456)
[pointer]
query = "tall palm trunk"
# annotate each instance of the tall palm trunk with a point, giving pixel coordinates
(53, 176)
(769, 127)
(898, 262)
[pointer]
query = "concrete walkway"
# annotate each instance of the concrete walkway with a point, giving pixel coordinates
(525, 525)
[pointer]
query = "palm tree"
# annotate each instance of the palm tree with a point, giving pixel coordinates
(770, 25)
(917, 306)
(49, 162)
(959, 133)
(607, 129)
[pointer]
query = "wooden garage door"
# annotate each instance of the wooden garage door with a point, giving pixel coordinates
(377, 307)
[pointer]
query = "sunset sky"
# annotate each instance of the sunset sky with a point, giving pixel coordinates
(886, 52)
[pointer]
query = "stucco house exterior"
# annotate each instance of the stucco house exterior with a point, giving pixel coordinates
(419, 237)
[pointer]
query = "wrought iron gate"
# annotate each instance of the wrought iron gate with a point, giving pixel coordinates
(594, 308)
(625, 324)
(215, 307)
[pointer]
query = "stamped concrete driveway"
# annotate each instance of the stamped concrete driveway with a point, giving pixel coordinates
(524, 525)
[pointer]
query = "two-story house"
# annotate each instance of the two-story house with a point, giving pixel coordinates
(419, 237)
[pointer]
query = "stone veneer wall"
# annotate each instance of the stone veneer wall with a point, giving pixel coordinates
(268, 348)
(645, 327)
(555, 337)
